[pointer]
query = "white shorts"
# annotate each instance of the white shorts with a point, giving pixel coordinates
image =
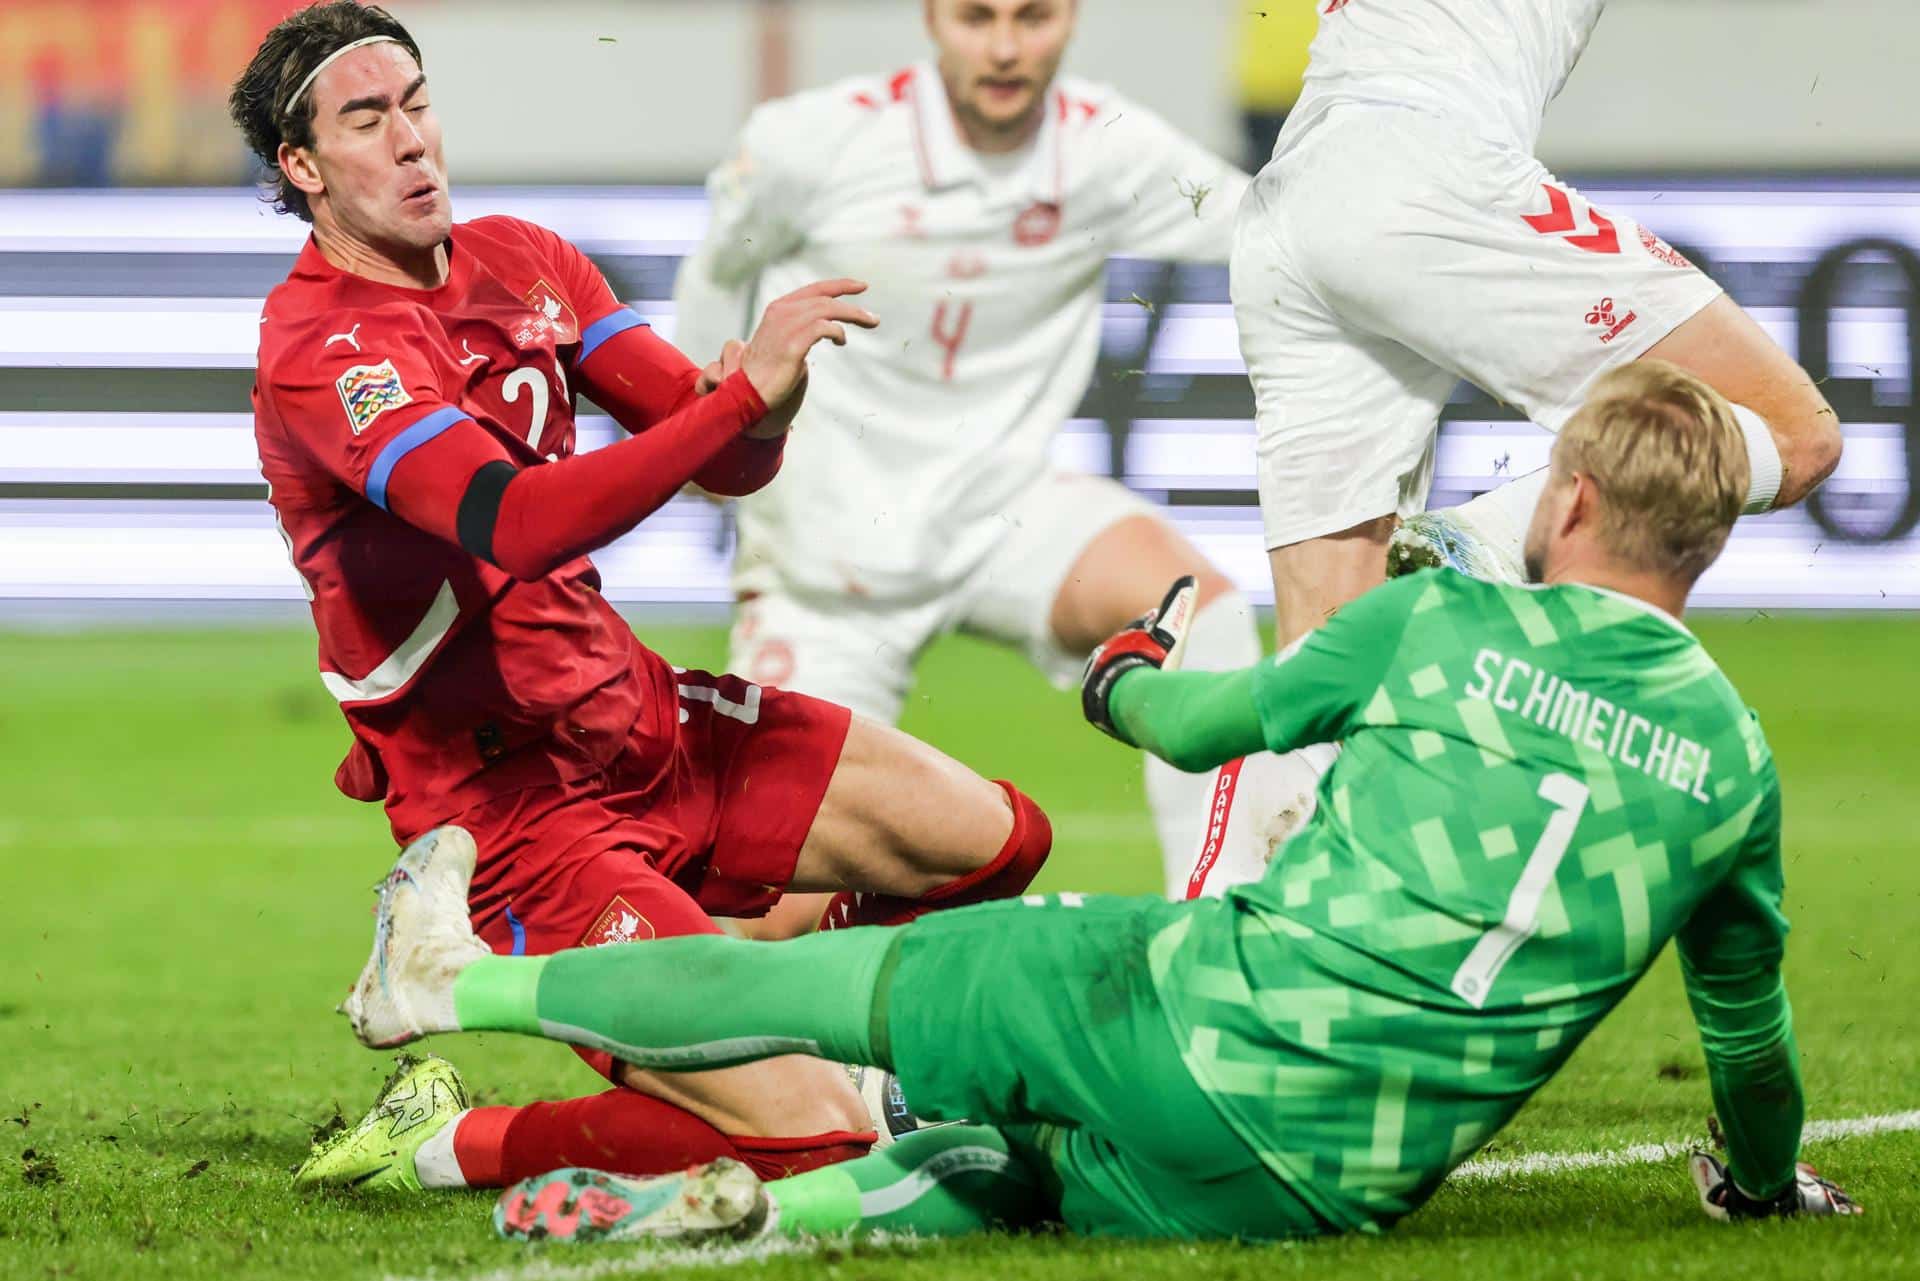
(1389, 254)
(861, 653)
(1259, 802)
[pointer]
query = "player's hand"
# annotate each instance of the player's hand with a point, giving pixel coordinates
(1157, 638)
(778, 420)
(775, 360)
(775, 422)
(722, 369)
(1723, 1200)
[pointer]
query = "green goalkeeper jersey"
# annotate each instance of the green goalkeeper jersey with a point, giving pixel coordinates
(1538, 788)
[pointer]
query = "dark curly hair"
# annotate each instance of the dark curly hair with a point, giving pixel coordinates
(288, 54)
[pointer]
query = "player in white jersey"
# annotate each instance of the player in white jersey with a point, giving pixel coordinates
(1403, 237)
(980, 195)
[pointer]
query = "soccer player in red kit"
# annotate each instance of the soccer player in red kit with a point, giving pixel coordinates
(414, 410)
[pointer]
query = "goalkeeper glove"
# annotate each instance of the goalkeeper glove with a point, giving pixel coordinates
(1722, 1199)
(1158, 638)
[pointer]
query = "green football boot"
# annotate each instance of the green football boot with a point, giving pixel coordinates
(418, 1101)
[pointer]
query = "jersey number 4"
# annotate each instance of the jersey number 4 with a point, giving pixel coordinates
(950, 332)
(1475, 977)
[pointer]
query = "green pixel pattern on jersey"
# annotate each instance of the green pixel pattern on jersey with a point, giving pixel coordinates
(1349, 1013)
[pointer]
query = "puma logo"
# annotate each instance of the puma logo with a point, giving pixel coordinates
(352, 336)
(472, 355)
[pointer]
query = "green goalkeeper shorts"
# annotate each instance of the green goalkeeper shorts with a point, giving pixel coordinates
(1039, 1015)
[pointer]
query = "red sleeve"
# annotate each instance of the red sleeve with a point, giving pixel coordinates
(744, 467)
(361, 392)
(638, 377)
(550, 513)
(632, 372)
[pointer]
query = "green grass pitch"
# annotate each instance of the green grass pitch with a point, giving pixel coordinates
(185, 897)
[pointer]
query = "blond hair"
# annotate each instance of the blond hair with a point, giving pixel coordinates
(1669, 461)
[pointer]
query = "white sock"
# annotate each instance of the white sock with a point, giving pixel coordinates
(1265, 807)
(1222, 639)
(1763, 456)
(435, 1163)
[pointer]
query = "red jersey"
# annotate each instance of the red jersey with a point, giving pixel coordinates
(459, 681)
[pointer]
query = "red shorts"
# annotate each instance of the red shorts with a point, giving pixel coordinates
(647, 849)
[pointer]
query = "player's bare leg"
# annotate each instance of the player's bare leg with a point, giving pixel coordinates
(1793, 440)
(792, 916)
(1312, 579)
(773, 1098)
(905, 829)
(1728, 350)
(1121, 575)
(900, 818)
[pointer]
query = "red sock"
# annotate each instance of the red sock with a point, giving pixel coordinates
(1008, 873)
(622, 1131)
(782, 1158)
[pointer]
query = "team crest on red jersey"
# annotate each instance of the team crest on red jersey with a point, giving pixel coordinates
(367, 391)
(620, 923)
(1037, 225)
(550, 315)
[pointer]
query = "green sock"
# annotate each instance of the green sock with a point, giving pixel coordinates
(499, 993)
(696, 1002)
(946, 1181)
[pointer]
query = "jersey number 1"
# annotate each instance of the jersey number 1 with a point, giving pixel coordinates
(1474, 979)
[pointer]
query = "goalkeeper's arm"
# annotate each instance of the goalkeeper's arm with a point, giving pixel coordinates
(1312, 691)
(1730, 954)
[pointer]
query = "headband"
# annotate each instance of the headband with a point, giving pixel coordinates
(328, 61)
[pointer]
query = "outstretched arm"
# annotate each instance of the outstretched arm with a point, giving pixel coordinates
(1311, 692)
(641, 380)
(1730, 954)
(529, 521)
(1193, 721)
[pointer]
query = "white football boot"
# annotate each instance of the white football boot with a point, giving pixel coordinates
(422, 939)
(1450, 537)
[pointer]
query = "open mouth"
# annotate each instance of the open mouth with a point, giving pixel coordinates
(1003, 88)
(421, 193)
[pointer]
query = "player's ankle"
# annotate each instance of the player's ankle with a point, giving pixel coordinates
(498, 994)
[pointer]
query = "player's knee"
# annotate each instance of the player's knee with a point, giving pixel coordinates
(784, 1097)
(825, 1102)
(1009, 870)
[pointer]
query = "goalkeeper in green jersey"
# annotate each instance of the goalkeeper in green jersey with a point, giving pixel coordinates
(1538, 788)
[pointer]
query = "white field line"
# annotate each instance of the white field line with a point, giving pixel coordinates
(640, 1260)
(616, 1261)
(1653, 1153)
